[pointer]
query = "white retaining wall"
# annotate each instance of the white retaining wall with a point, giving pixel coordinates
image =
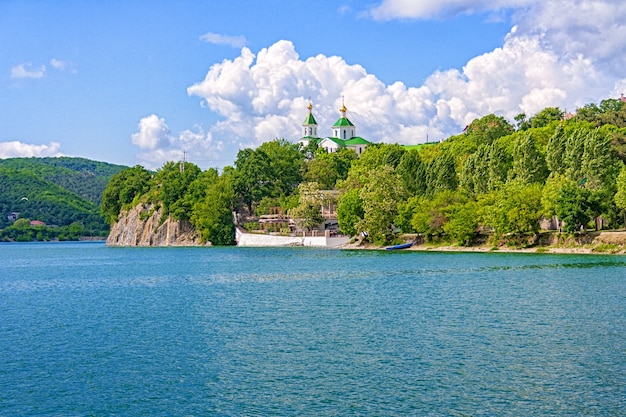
(253, 239)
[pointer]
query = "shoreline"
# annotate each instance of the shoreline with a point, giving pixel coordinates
(594, 243)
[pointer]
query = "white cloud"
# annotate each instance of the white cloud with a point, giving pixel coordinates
(412, 9)
(153, 133)
(159, 145)
(16, 149)
(218, 39)
(27, 71)
(58, 64)
(559, 53)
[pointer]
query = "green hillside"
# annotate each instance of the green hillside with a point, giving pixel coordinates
(57, 191)
(83, 177)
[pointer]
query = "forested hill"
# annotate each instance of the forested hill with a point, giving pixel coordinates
(83, 177)
(57, 191)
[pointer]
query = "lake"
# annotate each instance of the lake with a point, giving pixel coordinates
(88, 330)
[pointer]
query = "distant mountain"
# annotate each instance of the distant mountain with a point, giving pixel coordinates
(57, 191)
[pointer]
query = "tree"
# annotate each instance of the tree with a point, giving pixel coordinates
(620, 195)
(171, 182)
(475, 174)
(272, 170)
(463, 221)
(213, 214)
(253, 176)
(122, 189)
(600, 165)
(380, 197)
(572, 207)
(329, 167)
(546, 116)
(412, 171)
(500, 162)
(431, 214)
(442, 174)
(286, 165)
(555, 151)
(522, 122)
(308, 212)
(516, 209)
(350, 211)
(487, 129)
(528, 163)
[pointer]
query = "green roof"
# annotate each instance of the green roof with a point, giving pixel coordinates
(357, 140)
(310, 120)
(342, 122)
(338, 141)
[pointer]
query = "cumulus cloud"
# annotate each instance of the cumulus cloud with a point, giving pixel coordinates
(153, 133)
(264, 96)
(159, 145)
(218, 39)
(555, 55)
(16, 149)
(27, 71)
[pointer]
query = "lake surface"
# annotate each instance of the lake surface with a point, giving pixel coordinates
(88, 330)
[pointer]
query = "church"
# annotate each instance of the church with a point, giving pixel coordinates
(343, 134)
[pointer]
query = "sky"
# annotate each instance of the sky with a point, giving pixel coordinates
(145, 82)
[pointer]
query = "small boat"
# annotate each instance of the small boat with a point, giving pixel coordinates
(401, 246)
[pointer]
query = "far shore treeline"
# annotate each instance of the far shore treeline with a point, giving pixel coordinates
(495, 180)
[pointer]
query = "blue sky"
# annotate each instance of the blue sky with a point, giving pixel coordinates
(138, 82)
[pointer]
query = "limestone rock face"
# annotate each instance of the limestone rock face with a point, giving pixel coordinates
(141, 226)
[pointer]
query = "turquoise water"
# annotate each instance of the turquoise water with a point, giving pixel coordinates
(87, 330)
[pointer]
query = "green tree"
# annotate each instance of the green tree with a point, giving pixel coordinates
(499, 165)
(286, 165)
(572, 207)
(253, 177)
(380, 196)
(522, 122)
(212, 215)
(431, 214)
(308, 212)
(122, 189)
(329, 167)
(412, 171)
(517, 209)
(487, 129)
(528, 163)
(442, 174)
(350, 211)
(463, 222)
(274, 169)
(547, 116)
(555, 151)
(171, 183)
(620, 195)
(600, 165)
(475, 174)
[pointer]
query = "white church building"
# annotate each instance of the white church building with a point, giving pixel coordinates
(343, 134)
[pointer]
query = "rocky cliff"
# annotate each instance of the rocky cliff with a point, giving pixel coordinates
(142, 226)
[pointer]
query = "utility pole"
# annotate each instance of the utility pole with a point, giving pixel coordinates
(182, 163)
